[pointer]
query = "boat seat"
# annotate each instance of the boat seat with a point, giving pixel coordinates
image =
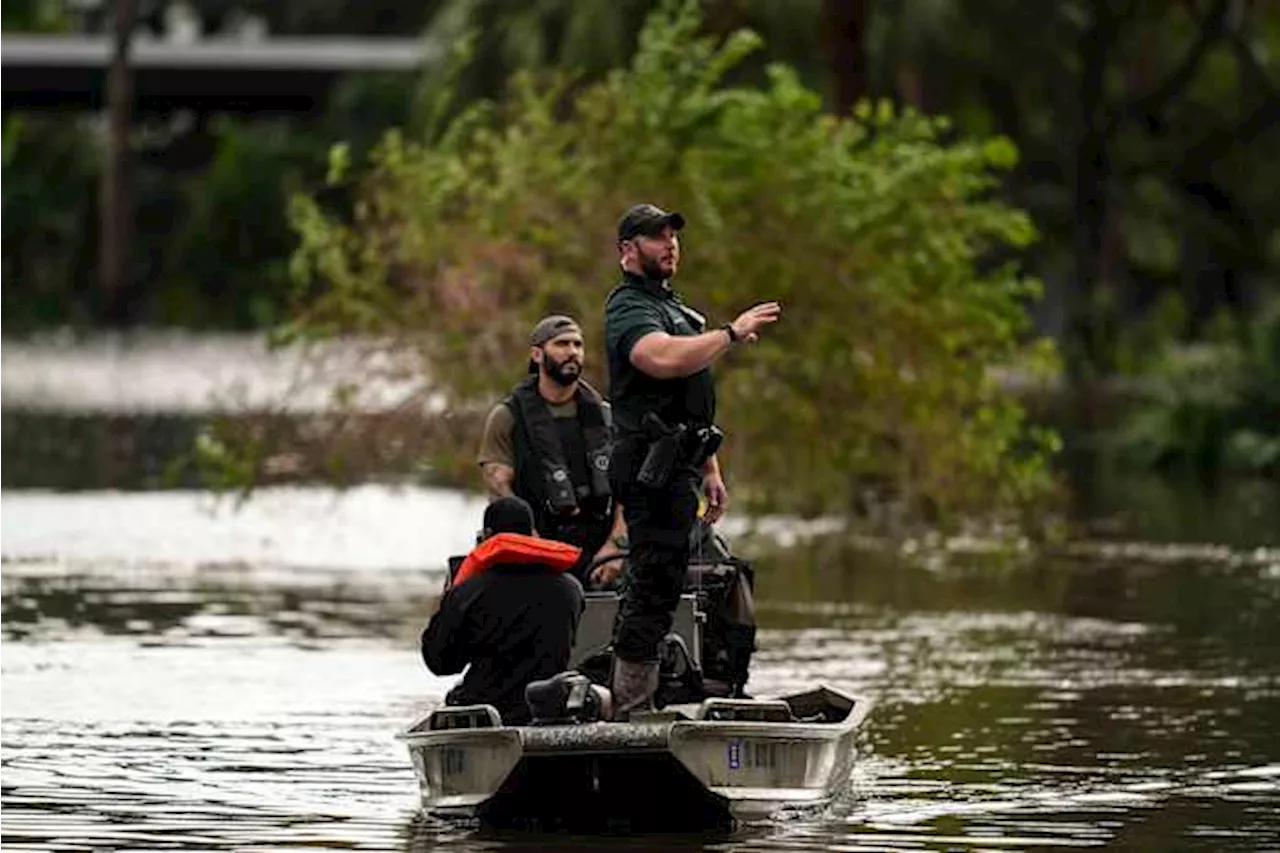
(463, 717)
(822, 705)
(746, 710)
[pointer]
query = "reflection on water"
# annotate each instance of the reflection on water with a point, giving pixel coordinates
(247, 698)
(211, 604)
(365, 527)
(1241, 513)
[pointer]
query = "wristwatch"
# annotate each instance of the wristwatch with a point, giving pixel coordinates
(733, 336)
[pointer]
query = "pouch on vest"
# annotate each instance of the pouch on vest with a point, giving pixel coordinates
(559, 486)
(599, 452)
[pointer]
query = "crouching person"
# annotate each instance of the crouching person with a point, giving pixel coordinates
(510, 614)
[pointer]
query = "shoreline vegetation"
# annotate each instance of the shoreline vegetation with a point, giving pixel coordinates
(924, 361)
(884, 237)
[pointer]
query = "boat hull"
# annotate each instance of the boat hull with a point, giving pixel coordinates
(687, 767)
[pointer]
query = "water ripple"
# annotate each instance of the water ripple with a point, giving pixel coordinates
(252, 706)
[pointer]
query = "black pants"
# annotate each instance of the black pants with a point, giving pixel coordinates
(659, 522)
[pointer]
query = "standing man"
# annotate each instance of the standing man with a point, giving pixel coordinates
(663, 395)
(549, 443)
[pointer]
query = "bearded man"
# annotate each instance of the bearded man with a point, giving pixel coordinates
(549, 442)
(660, 354)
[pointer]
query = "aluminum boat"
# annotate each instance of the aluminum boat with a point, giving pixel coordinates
(687, 766)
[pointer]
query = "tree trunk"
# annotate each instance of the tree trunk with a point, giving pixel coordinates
(115, 255)
(1092, 175)
(844, 29)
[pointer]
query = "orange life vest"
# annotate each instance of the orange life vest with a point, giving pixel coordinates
(502, 548)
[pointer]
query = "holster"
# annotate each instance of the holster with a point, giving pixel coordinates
(706, 441)
(672, 448)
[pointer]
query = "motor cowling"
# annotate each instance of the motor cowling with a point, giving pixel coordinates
(567, 697)
(679, 677)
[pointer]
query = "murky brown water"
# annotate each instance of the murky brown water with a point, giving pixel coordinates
(179, 680)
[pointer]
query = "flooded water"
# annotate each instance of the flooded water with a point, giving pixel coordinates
(181, 372)
(179, 677)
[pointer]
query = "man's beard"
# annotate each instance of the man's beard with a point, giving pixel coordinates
(652, 268)
(556, 371)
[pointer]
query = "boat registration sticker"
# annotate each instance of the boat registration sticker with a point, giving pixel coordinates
(749, 755)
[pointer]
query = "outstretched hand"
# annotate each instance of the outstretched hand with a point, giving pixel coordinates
(748, 324)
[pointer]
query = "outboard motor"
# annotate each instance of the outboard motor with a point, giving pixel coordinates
(724, 585)
(567, 697)
(674, 660)
(679, 677)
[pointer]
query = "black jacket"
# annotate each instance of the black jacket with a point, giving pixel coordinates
(513, 624)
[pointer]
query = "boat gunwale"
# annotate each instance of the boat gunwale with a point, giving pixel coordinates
(656, 736)
(619, 737)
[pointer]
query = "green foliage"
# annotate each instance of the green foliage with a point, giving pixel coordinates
(1186, 195)
(225, 259)
(1183, 117)
(50, 169)
(1213, 407)
(211, 249)
(35, 16)
(882, 242)
(212, 245)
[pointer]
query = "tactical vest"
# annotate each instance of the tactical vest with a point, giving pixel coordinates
(562, 464)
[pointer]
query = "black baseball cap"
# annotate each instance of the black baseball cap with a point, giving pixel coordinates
(647, 220)
(552, 327)
(549, 328)
(508, 515)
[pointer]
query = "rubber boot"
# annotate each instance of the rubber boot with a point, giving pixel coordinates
(634, 685)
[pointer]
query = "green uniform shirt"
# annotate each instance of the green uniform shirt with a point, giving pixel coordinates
(635, 308)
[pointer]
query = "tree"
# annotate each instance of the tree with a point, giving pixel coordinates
(1135, 121)
(825, 40)
(844, 37)
(883, 243)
